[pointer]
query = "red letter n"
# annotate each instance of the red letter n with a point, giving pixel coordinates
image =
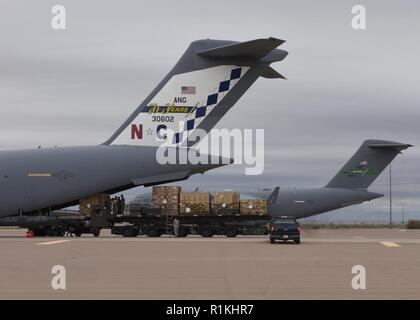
(136, 131)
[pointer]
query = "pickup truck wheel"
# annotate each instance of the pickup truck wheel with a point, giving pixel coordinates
(297, 241)
(272, 241)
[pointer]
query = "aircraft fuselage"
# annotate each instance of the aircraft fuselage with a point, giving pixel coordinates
(302, 203)
(36, 179)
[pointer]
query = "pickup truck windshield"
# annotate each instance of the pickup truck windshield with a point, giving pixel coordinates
(284, 221)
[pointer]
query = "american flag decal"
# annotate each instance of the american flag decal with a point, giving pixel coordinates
(187, 90)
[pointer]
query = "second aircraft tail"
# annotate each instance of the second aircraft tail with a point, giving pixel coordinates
(366, 165)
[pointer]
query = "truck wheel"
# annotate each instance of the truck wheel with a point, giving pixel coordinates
(55, 232)
(231, 233)
(96, 232)
(39, 232)
(130, 233)
(152, 232)
(49, 232)
(206, 233)
(78, 233)
(272, 241)
(182, 233)
(297, 241)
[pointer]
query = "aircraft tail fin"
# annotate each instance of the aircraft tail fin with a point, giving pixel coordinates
(366, 164)
(206, 82)
(272, 199)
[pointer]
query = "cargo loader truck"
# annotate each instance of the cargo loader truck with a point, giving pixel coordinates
(172, 212)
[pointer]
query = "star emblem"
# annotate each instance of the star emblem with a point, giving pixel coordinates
(149, 131)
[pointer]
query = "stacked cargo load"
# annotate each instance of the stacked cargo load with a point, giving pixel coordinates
(226, 202)
(167, 199)
(96, 201)
(194, 203)
(254, 207)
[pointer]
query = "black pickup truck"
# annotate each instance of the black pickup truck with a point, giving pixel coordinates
(285, 229)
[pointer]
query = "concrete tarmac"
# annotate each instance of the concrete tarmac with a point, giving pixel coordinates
(246, 267)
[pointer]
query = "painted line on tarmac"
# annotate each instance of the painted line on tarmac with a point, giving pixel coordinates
(53, 242)
(390, 244)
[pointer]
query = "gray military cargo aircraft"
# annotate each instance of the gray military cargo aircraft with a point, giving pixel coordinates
(348, 187)
(205, 83)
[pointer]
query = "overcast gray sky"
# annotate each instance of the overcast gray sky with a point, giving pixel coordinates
(75, 87)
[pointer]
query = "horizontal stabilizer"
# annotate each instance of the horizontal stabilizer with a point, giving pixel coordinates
(254, 49)
(390, 146)
(270, 73)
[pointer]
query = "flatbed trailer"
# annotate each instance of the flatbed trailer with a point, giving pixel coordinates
(58, 223)
(204, 225)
